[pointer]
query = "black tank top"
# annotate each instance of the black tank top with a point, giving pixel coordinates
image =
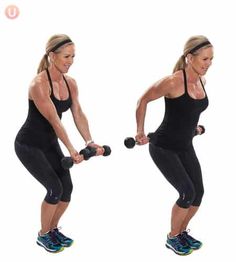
(37, 131)
(180, 120)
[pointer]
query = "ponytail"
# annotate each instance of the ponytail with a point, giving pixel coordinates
(44, 64)
(180, 64)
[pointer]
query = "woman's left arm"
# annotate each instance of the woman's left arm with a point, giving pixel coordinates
(80, 118)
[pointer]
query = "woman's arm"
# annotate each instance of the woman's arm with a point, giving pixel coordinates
(157, 90)
(80, 118)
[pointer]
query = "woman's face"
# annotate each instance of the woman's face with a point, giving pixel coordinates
(64, 59)
(202, 61)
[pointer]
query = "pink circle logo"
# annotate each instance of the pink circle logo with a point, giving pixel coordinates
(12, 11)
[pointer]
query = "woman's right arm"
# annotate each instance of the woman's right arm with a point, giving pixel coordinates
(39, 93)
(157, 90)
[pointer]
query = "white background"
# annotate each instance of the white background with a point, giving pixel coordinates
(120, 208)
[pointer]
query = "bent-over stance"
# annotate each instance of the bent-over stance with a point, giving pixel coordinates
(171, 145)
(51, 93)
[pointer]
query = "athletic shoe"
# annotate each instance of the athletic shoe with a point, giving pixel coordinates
(49, 242)
(62, 239)
(179, 245)
(192, 242)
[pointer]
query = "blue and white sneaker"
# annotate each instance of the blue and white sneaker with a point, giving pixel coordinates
(179, 245)
(62, 239)
(49, 242)
(192, 242)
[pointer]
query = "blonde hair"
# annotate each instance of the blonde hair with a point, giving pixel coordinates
(191, 46)
(54, 44)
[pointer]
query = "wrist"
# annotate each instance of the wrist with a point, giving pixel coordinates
(71, 150)
(140, 132)
(88, 142)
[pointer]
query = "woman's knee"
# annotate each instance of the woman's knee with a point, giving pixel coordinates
(198, 199)
(67, 191)
(54, 193)
(186, 197)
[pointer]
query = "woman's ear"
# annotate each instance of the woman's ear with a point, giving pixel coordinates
(189, 58)
(51, 56)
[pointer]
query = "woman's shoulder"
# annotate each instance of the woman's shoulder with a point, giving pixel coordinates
(177, 77)
(173, 80)
(72, 84)
(71, 81)
(39, 85)
(172, 84)
(40, 79)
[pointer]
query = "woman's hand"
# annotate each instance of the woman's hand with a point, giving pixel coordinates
(77, 158)
(99, 149)
(141, 138)
(199, 130)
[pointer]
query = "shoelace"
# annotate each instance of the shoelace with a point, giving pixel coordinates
(51, 239)
(186, 235)
(182, 240)
(59, 234)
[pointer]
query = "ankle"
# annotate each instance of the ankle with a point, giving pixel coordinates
(173, 234)
(44, 232)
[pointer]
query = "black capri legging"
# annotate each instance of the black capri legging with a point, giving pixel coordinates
(45, 166)
(183, 171)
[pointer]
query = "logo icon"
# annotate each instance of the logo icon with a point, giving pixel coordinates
(12, 11)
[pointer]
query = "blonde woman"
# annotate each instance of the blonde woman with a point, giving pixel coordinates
(51, 93)
(171, 145)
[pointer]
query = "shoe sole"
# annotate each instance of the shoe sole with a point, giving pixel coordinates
(194, 248)
(64, 245)
(179, 253)
(49, 250)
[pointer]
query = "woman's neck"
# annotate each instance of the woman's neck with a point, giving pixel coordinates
(192, 75)
(55, 74)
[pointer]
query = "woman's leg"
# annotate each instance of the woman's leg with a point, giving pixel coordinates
(172, 168)
(54, 156)
(47, 214)
(38, 165)
(190, 214)
(193, 168)
(178, 216)
(60, 209)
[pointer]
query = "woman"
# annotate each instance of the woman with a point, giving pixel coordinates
(51, 93)
(171, 145)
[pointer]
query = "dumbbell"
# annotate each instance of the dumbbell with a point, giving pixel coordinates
(107, 150)
(93, 151)
(130, 142)
(203, 130)
(67, 162)
(87, 152)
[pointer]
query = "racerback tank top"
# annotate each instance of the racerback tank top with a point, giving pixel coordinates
(180, 120)
(37, 131)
